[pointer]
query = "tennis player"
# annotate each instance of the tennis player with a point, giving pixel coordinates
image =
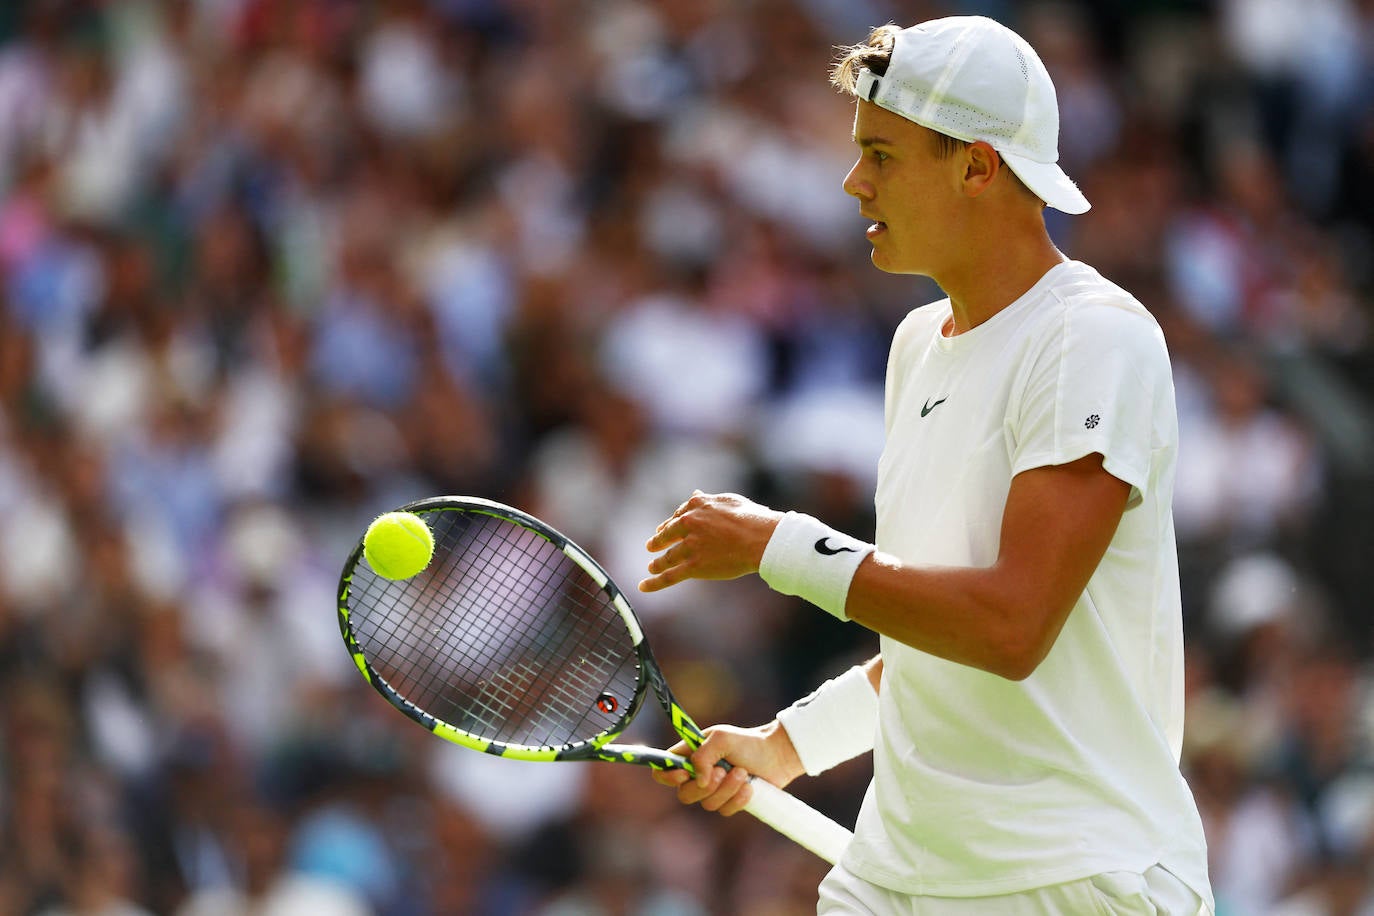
(1026, 710)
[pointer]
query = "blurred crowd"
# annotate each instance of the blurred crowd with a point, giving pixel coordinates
(271, 267)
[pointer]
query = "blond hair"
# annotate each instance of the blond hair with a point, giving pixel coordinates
(873, 54)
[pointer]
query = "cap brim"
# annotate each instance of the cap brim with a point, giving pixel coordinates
(1048, 181)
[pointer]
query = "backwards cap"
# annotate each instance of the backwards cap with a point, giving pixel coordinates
(975, 79)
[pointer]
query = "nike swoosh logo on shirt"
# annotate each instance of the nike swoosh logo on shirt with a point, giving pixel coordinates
(929, 406)
(823, 547)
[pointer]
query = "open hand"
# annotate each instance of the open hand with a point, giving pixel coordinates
(710, 536)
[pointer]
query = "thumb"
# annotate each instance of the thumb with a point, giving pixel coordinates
(705, 758)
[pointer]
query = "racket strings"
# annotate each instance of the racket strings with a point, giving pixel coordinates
(503, 637)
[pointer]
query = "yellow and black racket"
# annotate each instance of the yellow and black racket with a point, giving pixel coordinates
(515, 642)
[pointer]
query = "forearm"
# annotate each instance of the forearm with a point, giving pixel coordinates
(973, 616)
(1056, 527)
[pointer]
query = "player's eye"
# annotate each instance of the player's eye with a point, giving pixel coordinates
(880, 156)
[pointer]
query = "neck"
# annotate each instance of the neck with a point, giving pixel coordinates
(996, 274)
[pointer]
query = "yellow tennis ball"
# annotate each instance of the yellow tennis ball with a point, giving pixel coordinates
(398, 545)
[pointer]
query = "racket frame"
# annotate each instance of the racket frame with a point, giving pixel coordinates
(598, 747)
(770, 804)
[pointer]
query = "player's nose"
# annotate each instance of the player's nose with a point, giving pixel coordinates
(856, 184)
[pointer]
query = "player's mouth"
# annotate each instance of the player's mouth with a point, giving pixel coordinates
(875, 230)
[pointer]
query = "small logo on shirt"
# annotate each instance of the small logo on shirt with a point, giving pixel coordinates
(1092, 421)
(929, 406)
(824, 549)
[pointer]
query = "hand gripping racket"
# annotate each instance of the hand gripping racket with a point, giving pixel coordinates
(515, 642)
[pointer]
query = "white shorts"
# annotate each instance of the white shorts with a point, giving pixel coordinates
(1155, 893)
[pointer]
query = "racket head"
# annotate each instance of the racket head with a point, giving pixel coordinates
(513, 641)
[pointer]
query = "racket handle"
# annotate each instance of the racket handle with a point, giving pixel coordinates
(797, 820)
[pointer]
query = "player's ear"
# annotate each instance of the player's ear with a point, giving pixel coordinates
(981, 165)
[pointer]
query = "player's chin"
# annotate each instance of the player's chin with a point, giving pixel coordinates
(889, 261)
(881, 253)
(883, 260)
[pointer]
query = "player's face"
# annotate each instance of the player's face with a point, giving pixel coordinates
(907, 189)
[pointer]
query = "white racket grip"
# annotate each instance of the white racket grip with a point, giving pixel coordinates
(797, 820)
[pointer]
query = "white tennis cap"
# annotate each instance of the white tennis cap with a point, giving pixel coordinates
(975, 79)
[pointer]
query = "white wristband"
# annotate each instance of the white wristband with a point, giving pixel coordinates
(836, 722)
(809, 559)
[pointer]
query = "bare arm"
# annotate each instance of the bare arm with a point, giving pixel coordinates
(1004, 618)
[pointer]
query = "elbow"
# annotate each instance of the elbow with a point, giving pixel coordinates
(1018, 667)
(1013, 666)
(1019, 652)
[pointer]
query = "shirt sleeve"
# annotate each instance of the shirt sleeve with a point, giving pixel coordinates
(1098, 385)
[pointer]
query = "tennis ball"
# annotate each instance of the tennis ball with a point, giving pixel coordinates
(398, 545)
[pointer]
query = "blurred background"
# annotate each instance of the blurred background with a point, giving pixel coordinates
(271, 267)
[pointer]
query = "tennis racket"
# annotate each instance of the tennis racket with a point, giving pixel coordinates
(515, 642)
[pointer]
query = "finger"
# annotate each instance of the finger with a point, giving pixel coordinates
(658, 540)
(724, 797)
(660, 582)
(740, 799)
(697, 500)
(691, 792)
(671, 778)
(686, 506)
(669, 533)
(704, 760)
(673, 556)
(677, 514)
(681, 749)
(676, 776)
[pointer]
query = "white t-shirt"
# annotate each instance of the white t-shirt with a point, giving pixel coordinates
(983, 785)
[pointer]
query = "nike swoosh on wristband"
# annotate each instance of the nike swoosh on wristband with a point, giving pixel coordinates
(929, 406)
(824, 549)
